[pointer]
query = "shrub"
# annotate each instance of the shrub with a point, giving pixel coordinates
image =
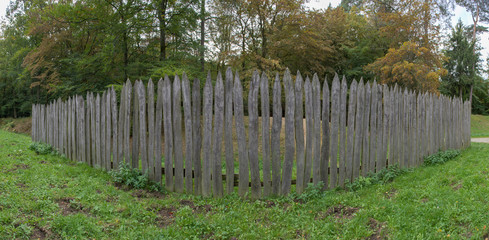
(441, 157)
(383, 176)
(133, 178)
(41, 148)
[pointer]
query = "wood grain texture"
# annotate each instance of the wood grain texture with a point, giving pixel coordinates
(334, 134)
(218, 137)
(253, 136)
(177, 134)
(373, 130)
(265, 134)
(187, 112)
(309, 131)
(135, 127)
(342, 132)
(316, 110)
(276, 129)
(108, 131)
(207, 138)
(151, 130)
(289, 138)
(228, 131)
(366, 131)
(168, 131)
(240, 135)
(158, 130)
(325, 138)
(380, 163)
(197, 135)
(103, 128)
(299, 133)
(351, 131)
(120, 127)
(143, 145)
(127, 123)
(358, 130)
(115, 129)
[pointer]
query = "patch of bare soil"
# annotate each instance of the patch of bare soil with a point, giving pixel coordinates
(19, 166)
(423, 200)
(140, 193)
(69, 206)
(339, 212)
(21, 185)
(301, 234)
(378, 228)
(165, 216)
(196, 209)
(486, 236)
(391, 193)
(40, 233)
(456, 185)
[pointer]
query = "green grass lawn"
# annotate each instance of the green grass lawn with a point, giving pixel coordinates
(479, 126)
(47, 196)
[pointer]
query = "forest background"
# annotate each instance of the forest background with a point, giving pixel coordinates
(53, 49)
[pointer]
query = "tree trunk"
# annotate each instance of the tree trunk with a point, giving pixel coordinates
(161, 18)
(202, 35)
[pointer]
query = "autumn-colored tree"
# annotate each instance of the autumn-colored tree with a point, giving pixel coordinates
(411, 66)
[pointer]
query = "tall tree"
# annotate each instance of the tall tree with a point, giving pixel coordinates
(462, 56)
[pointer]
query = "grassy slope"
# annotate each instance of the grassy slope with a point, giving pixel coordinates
(49, 196)
(479, 126)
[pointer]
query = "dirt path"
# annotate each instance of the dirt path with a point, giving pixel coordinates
(480, 140)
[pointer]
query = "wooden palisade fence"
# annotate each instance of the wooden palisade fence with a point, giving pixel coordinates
(349, 131)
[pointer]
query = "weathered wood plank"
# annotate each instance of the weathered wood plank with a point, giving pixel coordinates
(380, 163)
(228, 132)
(168, 132)
(385, 133)
(103, 128)
(115, 132)
(253, 135)
(177, 134)
(324, 165)
(135, 127)
(120, 127)
(143, 145)
(218, 137)
(335, 108)
(240, 134)
(187, 109)
(87, 131)
(351, 131)
(197, 135)
(342, 132)
(265, 133)
(82, 136)
(299, 133)
(207, 139)
(151, 129)
(127, 124)
(73, 130)
(309, 131)
(108, 131)
(366, 118)
(358, 130)
(92, 129)
(373, 129)
(289, 129)
(158, 129)
(276, 129)
(97, 131)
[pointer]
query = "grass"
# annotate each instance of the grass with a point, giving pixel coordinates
(479, 126)
(48, 196)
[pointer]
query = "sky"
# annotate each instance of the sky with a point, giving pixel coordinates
(459, 13)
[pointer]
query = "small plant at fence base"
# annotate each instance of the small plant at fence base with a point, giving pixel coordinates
(441, 157)
(41, 148)
(383, 176)
(133, 178)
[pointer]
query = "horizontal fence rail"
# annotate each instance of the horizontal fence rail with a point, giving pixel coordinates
(202, 143)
